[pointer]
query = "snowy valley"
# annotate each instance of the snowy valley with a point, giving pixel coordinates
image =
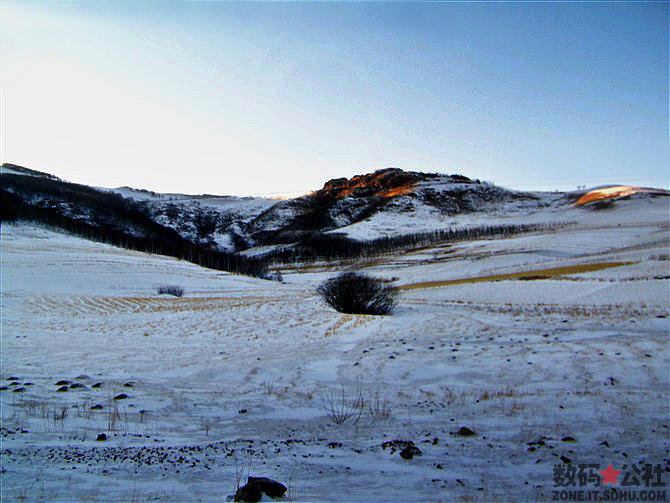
(505, 356)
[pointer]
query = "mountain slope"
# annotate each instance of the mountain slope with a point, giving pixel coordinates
(107, 217)
(227, 223)
(386, 209)
(342, 202)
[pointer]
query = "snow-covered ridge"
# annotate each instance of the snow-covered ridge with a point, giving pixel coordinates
(14, 169)
(387, 202)
(229, 223)
(217, 221)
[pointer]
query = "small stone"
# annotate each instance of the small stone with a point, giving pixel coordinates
(63, 382)
(97, 385)
(270, 487)
(63, 389)
(243, 411)
(410, 451)
(101, 437)
(568, 439)
(121, 396)
(464, 431)
(96, 407)
(249, 493)
(565, 459)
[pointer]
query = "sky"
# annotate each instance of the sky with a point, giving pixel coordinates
(275, 98)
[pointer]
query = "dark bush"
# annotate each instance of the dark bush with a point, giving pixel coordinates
(603, 204)
(276, 276)
(356, 293)
(177, 291)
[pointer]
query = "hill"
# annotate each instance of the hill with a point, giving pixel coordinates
(107, 217)
(228, 223)
(368, 215)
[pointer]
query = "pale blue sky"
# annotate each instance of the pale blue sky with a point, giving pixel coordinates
(264, 98)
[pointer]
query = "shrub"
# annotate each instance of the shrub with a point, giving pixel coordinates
(357, 293)
(276, 276)
(177, 291)
(341, 409)
(603, 204)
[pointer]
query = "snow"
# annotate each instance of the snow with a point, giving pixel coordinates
(11, 171)
(549, 207)
(584, 355)
(223, 203)
(178, 211)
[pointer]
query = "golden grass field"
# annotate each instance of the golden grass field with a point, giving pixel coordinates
(523, 275)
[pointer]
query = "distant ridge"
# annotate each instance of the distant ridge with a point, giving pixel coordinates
(106, 217)
(609, 193)
(363, 216)
(8, 168)
(233, 224)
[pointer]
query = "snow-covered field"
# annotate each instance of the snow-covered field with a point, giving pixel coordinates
(240, 376)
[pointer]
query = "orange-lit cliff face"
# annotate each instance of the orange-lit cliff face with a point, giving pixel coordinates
(386, 183)
(400, 190)
(616, 192)
(383, 183)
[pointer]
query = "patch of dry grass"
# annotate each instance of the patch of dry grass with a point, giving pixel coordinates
(96, 305)
(523, 275)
